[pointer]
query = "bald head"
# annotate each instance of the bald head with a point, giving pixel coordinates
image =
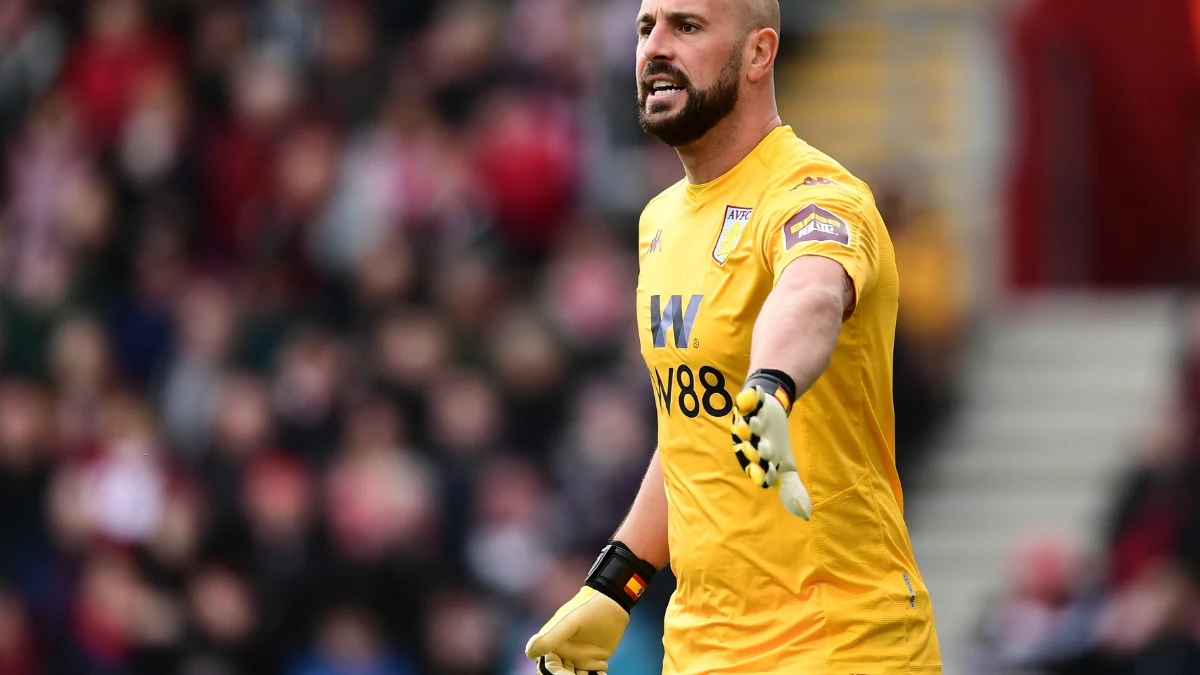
(761, 14)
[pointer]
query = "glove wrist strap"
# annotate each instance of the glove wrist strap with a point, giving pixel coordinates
(620, 575)
(776, 383)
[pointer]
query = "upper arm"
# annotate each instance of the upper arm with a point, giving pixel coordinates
(826, 230)
(824, 275)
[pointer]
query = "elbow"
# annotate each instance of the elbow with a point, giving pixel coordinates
(823, 309)
(826, 306)
(815, 294)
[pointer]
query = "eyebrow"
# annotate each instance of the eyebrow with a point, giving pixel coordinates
(673, 17)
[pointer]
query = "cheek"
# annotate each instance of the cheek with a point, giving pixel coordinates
(709, 66)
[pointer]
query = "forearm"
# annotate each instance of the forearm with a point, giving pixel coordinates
(798, 327)
(644, 530)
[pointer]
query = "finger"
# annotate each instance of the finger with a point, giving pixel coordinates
(550, 664)
(742, 430)
(750, 453)
(756, 473)
(794, 496)
(591, 665)
(549, 638)
(766, 450)
(747, 402)
(756, 425)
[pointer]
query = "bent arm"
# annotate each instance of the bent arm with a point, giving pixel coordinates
(798, 326)
(644, 530)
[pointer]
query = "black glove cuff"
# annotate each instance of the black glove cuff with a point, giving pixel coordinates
(773, 381)
(620, 575)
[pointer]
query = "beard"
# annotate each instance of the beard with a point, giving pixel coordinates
(702, 111)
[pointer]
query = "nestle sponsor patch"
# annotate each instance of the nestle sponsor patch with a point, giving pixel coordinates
(813, 223)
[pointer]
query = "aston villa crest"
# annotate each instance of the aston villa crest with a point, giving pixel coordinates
(731, 231)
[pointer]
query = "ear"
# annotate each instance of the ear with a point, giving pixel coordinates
(764, 46)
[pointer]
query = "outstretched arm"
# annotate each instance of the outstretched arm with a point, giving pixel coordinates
(798, 326)
(644, 530)
(792, 344)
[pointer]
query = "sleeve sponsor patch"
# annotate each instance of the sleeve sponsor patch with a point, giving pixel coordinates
(813, 223)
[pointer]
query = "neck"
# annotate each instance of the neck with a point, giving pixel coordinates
(724, 146)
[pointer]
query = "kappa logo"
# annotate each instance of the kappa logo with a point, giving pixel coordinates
(813, 182)
(814, 223)
(673, 317)
(656, 243)
(736, 218)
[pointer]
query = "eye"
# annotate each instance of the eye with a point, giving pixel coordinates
(645, 31)
(689, 28)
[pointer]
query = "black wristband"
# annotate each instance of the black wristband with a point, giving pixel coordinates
(772, 381)
(620, 575)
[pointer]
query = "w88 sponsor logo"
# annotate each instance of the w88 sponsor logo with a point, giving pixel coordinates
(673, 317)
(702, 389)
(690, 390)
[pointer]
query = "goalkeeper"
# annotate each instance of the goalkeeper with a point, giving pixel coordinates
(766, 306)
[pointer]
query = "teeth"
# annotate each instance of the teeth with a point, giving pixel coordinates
(661, 87)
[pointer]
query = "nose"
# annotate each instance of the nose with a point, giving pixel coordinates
(658, 43)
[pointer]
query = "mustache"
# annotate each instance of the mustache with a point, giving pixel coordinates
(660, 68)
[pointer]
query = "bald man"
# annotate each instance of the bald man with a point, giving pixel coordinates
(766, 304)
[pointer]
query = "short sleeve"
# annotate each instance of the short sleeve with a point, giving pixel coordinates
(828, 221)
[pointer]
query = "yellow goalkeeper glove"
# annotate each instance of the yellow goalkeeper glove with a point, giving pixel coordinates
(583, 634)
(761, 441)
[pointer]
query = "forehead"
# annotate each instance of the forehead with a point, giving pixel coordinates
(707, 9)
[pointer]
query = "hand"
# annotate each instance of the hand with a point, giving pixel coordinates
(761, 439)
(581, 636)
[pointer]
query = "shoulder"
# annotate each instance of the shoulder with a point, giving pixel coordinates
(663, 201)
(802, 175)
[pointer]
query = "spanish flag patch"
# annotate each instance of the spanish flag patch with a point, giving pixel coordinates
(635, 587)
(782, 397)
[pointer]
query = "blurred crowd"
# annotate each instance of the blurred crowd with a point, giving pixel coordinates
(316, 351)
(1133, 608)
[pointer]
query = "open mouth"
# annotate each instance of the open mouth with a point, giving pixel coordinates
(664, 88)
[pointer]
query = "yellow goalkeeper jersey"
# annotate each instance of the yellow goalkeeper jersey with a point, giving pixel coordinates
(759, 590)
